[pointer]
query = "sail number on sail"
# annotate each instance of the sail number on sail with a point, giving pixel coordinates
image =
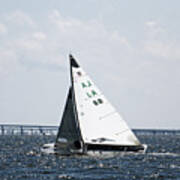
(91, 93)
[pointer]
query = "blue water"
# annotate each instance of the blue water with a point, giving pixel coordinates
(22, 159)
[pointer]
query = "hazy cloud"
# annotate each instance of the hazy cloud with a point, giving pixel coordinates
(3, 28)
(84, 31)
(158, 43)
(8, 61)
(90, 37)
(166, 50)
(151, 24)
(39, 35)
(67, 35)
(20, 18)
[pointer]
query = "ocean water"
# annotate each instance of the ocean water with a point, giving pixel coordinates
(21, 159)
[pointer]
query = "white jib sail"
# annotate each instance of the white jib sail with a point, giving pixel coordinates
(99, 122)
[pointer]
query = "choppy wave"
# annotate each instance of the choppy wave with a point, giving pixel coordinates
(21, 158)
(165, 154)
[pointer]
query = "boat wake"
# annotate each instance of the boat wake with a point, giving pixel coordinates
(163, 154)
(48, 148)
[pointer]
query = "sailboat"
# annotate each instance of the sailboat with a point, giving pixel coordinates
(89, 122)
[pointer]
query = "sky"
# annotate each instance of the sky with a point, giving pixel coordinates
(131, 50)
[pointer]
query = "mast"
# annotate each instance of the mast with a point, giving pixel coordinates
(74, 64)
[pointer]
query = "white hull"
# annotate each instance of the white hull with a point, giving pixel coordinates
(50, 149)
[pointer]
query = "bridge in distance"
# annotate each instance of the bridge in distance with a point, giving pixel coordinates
(15, 129)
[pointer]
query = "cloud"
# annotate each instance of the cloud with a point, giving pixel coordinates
(3, 29)
(89, 37)
(39, 36)
(28, 45)
(20, 18)
(158, 43)
(151, 24)
(90, 40)
(90, 30)
(50, 47)
(154, 29)
(84, 31)
(162, 49)
(8, 61)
